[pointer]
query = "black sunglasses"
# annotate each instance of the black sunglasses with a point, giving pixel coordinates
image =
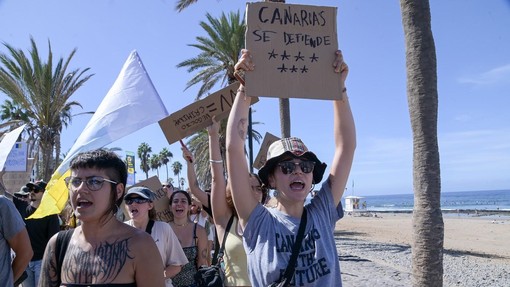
(93, 182)
(35, 190)
(290, 166)
(138, 200)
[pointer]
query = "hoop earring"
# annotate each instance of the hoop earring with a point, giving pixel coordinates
(313, 186)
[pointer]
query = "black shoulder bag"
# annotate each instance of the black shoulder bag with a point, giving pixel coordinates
(214, 276)
(289, 272)
(63, 238)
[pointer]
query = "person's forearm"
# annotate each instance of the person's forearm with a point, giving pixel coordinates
(172, 270)
(18, 266)
(344, 128)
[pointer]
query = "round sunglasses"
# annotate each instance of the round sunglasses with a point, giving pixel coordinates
(288, 167)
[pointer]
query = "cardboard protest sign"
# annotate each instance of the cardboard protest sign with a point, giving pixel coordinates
(161, 201)
(293, 48)
(199, 114)
(260, 160)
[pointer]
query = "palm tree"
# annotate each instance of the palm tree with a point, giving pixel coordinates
(42, 91)
(215, 63)
(165, 156)
(155, 163)
(428, 239)
(219, 52)
(144, 151)
(181, 4)
(198, 144)
(177, 168)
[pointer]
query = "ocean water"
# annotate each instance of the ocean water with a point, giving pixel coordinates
(470, 200)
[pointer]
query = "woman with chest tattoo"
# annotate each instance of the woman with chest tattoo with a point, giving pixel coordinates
(102, 251)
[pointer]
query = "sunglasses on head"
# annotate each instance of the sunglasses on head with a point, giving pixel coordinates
(138, 200)
(93, 182)
(288, 167)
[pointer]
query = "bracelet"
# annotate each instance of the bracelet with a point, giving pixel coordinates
(215, 161)
(344, 90)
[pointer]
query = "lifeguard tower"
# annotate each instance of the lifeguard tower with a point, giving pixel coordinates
(353, 204)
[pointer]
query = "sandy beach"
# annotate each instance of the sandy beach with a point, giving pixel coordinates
(376, 251)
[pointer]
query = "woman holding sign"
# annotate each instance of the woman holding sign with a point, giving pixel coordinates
(291, 170)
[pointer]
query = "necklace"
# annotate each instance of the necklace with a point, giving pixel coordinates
(181, 225)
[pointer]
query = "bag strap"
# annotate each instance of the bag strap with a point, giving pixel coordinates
(63, 238)
(219, 253)
(148, 229)
(289, 272)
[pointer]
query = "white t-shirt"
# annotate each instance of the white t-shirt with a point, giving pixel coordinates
(168, 245)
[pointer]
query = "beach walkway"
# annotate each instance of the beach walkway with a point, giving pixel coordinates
(377, 252)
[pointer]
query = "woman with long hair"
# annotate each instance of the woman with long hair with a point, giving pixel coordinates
(192, 237)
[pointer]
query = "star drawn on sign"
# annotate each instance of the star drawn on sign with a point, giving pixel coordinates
(272, 54)
(282, 68)
(299, 57)
(285, 56)
(293, 69)
(304, 70)
(314, 58)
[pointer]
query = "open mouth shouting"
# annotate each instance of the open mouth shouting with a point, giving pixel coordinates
(297, 185)
(83, 203)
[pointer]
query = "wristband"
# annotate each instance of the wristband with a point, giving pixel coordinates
(215, 161)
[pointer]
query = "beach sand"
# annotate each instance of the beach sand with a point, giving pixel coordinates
(376, 251)
(488, 235)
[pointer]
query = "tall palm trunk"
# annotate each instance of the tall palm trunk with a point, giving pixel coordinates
(428, 226)
(285, 117)
(284, 106)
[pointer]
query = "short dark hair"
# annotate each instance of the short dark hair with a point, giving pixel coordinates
(113, 166)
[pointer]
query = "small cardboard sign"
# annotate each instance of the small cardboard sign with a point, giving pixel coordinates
(293, 48)
(199, 114)
(260, 160)
(161, 201)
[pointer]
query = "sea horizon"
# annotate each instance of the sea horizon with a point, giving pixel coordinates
(482, 200)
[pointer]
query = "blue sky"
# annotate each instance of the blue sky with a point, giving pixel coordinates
(473, 59)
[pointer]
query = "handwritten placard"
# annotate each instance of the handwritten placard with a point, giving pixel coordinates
(261, 158)
(293, 48)
(199, 114)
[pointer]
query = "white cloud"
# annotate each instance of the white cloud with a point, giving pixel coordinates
(494, 76)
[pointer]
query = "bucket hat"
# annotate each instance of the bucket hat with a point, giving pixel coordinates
(293, 147)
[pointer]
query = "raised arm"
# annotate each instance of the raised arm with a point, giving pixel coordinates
(192, 178)
(345, 135)
(220, 209)
(237, 128)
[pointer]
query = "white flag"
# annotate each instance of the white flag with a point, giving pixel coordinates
(131, 104)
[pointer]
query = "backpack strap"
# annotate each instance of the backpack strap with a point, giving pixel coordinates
(63, 238)
(148, 229)
(195, 234)
(218, 253)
